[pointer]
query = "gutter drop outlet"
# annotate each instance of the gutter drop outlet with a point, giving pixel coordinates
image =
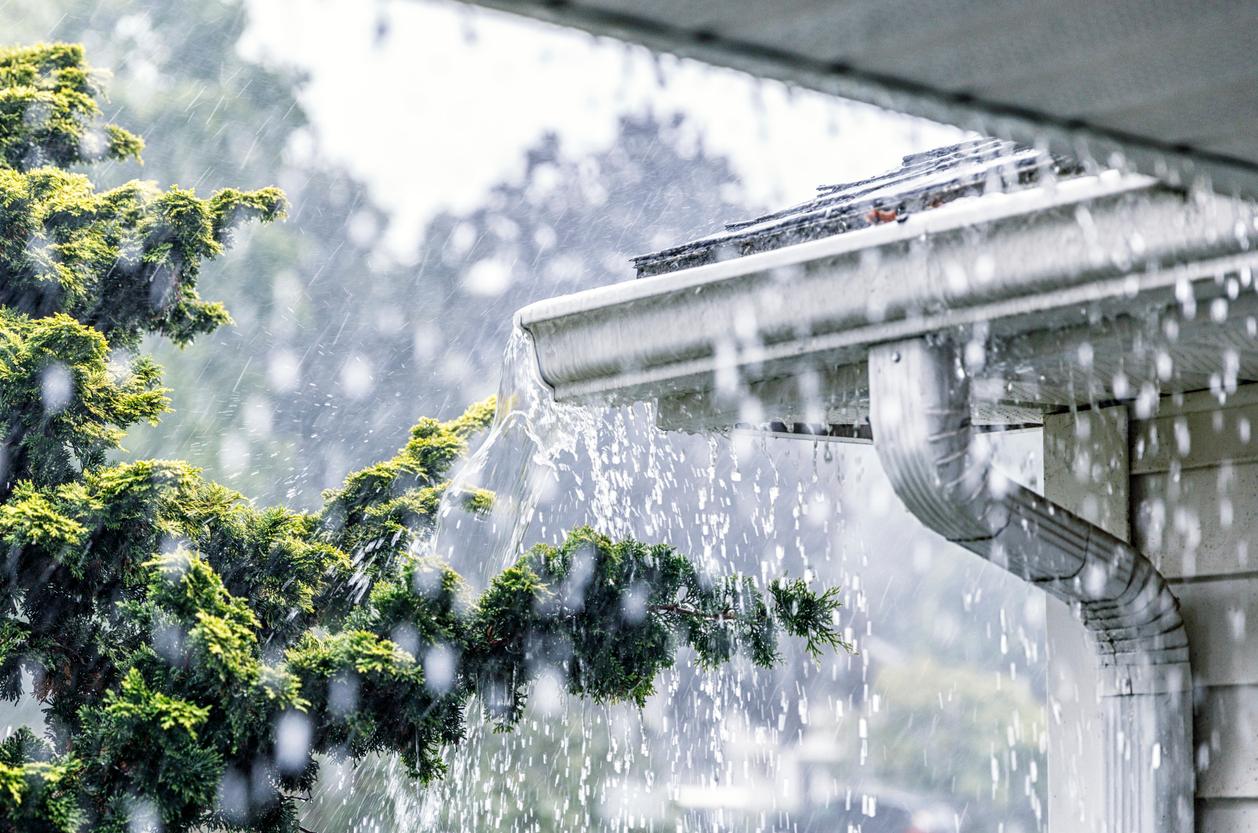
(920, 414)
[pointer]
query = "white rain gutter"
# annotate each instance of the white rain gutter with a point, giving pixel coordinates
(892, 298)
(1083, 242)
(920, 413)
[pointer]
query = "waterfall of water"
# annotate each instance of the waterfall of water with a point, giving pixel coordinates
(728, 749)
(521, 460)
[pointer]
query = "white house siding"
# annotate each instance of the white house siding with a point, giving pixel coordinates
(1085, 470)
(1195, 514)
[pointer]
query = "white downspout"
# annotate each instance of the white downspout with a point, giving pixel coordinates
(920, 415)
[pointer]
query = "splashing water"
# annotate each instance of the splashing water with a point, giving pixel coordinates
(741, 748)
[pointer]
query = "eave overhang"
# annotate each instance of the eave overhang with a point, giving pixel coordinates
(1165, 88)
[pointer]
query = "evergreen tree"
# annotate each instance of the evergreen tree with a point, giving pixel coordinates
(195, 652)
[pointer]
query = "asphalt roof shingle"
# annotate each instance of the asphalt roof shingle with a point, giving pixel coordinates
(923, 181)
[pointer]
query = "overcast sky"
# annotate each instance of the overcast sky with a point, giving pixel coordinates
(477, 87)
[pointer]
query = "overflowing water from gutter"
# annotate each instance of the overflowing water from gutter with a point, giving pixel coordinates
(529, 446)
(740, 748)
(553, 466)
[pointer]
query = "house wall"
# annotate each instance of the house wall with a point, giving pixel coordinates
(1194, 498)
(1085, 470)
(1184, 485)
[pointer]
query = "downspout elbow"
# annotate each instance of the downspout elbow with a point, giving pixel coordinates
(920, 414)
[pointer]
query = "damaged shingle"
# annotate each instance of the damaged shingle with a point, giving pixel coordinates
(924, 181)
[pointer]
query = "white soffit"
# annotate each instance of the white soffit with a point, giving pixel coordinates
(1171, 87)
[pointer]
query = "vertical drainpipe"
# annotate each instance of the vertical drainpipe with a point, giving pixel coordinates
(920, 414)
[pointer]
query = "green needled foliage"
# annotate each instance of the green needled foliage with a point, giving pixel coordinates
(194, 652)
(123, 262)
(48, 111)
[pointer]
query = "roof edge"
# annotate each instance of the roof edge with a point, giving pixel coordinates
(826, 302)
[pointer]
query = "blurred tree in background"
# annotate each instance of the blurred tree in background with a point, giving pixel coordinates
(338, 343)
(953, 712)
